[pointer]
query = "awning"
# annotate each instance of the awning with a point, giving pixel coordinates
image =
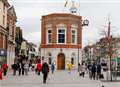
(116, 59)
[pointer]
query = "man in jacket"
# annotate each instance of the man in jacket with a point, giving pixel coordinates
(45, 71)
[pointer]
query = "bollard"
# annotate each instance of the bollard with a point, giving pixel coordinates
(0, 74)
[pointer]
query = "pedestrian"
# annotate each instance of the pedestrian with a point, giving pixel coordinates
(98, 71)
(52, 67)
(26, 67)
(79, 69)
(20, 68)
(93, 71)
(39, 67)
(83, 69)
(36, 68)
(69, 65)
(14, 67)
(89, 66)
(45, 71)
(0, 73)
(4, 68)
(23, 63)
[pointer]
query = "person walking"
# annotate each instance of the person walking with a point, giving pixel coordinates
(93, 71)
(79, 71)
(20, 68)
(83, 69)
(89, 67)
(5, 67)
(36, 68)
(52, 67)
(45, 71)
(26, 67)
(69, 65)
(98, 71)
(39, 67)
(14, 67)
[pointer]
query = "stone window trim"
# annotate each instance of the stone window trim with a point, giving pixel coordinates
(61, 28)
(49, 29)
(75, 28)
(75, 34)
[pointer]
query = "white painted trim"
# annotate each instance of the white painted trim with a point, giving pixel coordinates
(47, 35)
(58, 28)
(73, 28)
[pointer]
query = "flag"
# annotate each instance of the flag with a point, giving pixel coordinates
(66, 3)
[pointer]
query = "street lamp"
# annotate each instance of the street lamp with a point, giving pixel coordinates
(84, 23)
(98, 48)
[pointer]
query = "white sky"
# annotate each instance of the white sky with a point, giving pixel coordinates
(29, 13)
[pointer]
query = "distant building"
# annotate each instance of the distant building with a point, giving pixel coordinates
(100, 51)
(32, 51)
(4, 5)
(24, 48)
(61, 38)
(11, 24)
(18, 41)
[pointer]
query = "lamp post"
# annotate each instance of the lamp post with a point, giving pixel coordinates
(109, 38)
(98, 48)
(84, 23)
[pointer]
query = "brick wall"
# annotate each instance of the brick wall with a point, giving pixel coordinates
(66, 19)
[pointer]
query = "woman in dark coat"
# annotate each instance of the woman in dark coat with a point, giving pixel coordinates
(14, 67)
(45, 71)
(93, 71)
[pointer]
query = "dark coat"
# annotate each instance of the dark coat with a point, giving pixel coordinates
(15, 66)
(93, 69)
(98, 68)
(45, 68)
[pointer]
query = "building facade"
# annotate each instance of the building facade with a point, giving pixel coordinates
(4, 5)
(61, 39)
(11, 24)
(24, 48)
(32, 51)
(18, 41)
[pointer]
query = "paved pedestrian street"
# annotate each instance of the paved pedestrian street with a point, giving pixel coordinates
(58, 79)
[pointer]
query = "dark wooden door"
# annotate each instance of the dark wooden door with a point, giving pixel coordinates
(61, 61)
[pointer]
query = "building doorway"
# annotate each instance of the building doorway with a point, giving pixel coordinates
(61, 61)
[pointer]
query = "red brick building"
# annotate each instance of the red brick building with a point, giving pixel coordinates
(4, 5)
(61, 37)
(11, 24)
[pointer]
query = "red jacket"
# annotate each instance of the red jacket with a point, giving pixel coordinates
(39, 66)
(4, 66)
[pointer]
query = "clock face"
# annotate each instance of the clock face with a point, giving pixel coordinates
(85, 22)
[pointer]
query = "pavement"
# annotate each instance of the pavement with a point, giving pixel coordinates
(58, 79)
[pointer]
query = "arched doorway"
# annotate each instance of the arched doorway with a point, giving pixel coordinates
(61, 61)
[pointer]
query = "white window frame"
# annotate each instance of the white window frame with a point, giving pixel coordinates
(74, 27)
(48, 34)
(59, 28)
(75, 35)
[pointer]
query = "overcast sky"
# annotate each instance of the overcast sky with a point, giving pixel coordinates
(29, 13)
